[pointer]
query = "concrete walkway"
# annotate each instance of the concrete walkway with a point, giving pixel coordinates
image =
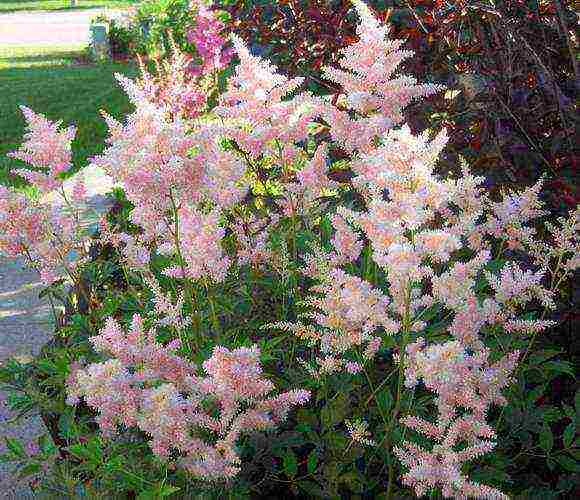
(26, 325)
(48, 27)
(25, 321)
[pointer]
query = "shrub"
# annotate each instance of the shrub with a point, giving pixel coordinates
(499, 61)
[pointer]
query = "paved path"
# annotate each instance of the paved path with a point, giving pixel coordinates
(25, 321)
(26, 325)
(46, 27)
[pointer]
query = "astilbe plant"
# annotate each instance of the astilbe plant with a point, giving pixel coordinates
(44, 232)
(149, 386)
(401, 248)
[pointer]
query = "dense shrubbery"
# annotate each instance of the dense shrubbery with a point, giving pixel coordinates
(289, 300)
(509, 65)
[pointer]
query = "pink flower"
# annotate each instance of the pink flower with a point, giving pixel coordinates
(45, 148)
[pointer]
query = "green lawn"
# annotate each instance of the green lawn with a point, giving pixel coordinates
(48, 80)
(19, 5)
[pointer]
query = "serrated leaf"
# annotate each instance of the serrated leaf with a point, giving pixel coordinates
(546, 438)
(551, 414)
(16, 447)
(290, 464)
(560, 367)
(569, 433)
(29, 470)
(568, 463)
(312, 461)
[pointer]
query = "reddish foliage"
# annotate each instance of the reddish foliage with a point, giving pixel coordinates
(513, 120)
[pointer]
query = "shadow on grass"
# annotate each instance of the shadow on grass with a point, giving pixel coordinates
(72, 93)
(49, 58)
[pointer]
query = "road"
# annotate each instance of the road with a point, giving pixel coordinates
(48, 27)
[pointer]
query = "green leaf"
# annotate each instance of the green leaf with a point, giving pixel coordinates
(546, 438)
(385, 400)
(541, 356)
(46, 445)
(577, 403)
(312, 462)
(536, 393)
(560, 367)
(568, 463)
(569, 433)
(159, 491)
(334, 411)
(29, 470)
(290, 463)
(166, 490)
(312, 489)
(16, 447)
(551, 414)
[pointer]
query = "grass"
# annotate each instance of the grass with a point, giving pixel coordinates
(48, 80)
(29, 5)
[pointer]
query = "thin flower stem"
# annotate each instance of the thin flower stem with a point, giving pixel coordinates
(402, 347)
(189, 294)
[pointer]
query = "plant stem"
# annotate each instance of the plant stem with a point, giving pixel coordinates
(189, 295)
(406, 326)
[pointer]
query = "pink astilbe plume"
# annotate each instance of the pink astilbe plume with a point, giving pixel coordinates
(369, 84)
(510, 219)
(347, 314)
(42, 237)
(167, 167)
(172, 87)
(46, 148)
(200, 246)
(199, 417)
(206, 35)
(167, 311)
(466, 385)
(252, 236)
(311, 183)
(259, 119)
(39, 231)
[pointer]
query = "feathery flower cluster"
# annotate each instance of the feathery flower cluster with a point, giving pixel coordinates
(358, 430)
(347, 311)
(167, 312)
(252, 240)
(561, 255)
(201, 418)
(257, 117)
(42, 233)
(509, 218)
(369, 87)
(206, 36)
(46, 148)
(168, 166)
(199, 238)
(465, 384)
(172, 87)
(311, 183)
